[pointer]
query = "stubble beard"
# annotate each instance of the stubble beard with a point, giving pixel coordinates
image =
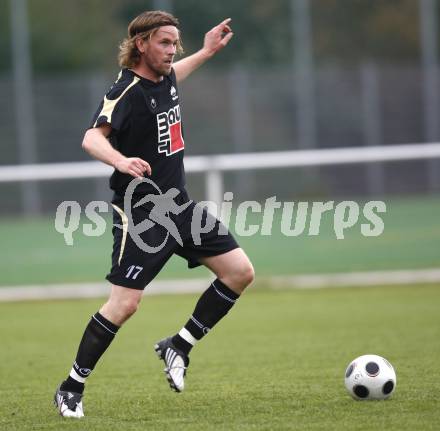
(159, 71)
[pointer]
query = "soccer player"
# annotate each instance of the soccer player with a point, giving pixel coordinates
(137, 129)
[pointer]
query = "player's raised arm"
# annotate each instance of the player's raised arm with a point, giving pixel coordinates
(95, 142)
(215, 40)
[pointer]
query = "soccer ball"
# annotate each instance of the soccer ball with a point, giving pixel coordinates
(370, 377)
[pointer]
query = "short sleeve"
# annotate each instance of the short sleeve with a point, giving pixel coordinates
(114, 109)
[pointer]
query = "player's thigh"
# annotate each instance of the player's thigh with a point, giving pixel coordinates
(138, 257)
(233, 268)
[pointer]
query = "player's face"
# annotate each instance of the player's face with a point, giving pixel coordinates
(160, 50)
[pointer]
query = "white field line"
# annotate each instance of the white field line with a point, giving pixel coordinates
(160, 287)
(353, 279)
(95, 290)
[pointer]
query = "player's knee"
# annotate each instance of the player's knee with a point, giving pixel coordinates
(247, 275)
(241, 277)
(128, 307)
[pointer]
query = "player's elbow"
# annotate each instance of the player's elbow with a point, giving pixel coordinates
(94, 137)
(87, 141)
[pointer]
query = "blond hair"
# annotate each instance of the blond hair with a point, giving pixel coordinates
(144, 26)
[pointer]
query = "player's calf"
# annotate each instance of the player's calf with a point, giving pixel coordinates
(211, 307)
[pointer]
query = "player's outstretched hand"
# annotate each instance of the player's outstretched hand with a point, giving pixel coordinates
(218, 37)
(134, 166)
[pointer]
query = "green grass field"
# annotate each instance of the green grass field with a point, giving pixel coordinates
(32, 252)
(275, 363)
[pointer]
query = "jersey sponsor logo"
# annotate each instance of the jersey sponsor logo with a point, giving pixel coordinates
(169, 131)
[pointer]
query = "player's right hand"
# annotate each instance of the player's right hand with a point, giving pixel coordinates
(218, 37)
(133, 166)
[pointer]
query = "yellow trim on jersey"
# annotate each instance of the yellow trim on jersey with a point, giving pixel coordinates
(124, 219)
(109, 105)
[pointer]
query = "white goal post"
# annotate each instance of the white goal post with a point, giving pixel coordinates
(214, 166)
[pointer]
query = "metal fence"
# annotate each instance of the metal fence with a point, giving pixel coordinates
(305, 102)
(237, 111)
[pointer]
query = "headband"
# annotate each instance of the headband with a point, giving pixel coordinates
(153, 26)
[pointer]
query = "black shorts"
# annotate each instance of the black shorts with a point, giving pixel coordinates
(138, 258)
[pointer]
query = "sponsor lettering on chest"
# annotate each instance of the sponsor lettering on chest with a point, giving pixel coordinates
(169, 131)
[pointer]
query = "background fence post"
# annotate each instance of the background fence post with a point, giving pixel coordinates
(24, 102)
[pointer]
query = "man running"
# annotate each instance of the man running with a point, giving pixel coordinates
(137, 129)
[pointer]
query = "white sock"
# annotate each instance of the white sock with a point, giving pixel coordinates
(187, 336)
(76, 376)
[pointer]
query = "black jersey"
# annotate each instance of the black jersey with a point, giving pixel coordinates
(146, 122)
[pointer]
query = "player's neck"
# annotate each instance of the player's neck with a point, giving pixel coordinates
(145, 72)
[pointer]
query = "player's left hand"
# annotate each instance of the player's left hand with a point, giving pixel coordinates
(218, 37)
